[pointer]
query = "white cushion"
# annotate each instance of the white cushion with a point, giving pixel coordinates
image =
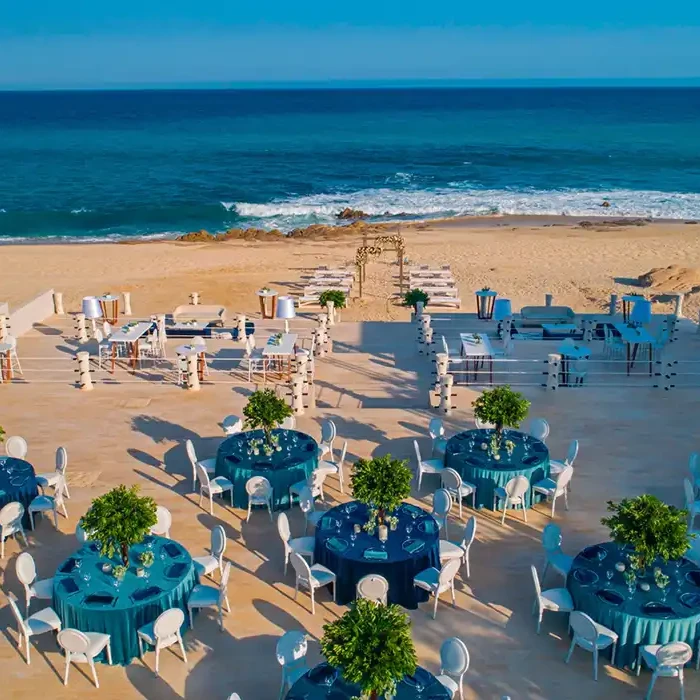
(206, 564)
(302, 545)
(545, 486)
(450, 550)
(449, 683)
(209, 465)
(296, 488)
(557, 599)
(326, 466)
(605, 638)
(560, 562)
(43, 621)
(219, 484)
(203, 596)
(555, 466)
(42, 503)
(98, 641)
(48, 479)
(147, 633)
(43, 588)
(428, 578)
(322, 575)
(432, 466)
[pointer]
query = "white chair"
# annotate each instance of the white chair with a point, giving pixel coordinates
(556, 466)
(25, 568)
(553, 488)
(459, 550)
(578, 371)
(553, 555)
(16, 447)
(11, 516)
(311, 577)
(259, 491)
(14, 357)
(291, 655)
(163, 633)
(691, 504)
(45, 504)
(694, 468)
(335, 468)
(301, 545)
(437, 435)
(308, 508)
(80, 535)
(591, 636)
(210, 487)
(209, 563)
(613, 344)
(83, 647)
(254, 358)
(163, 522)
(483, 425)
(314, 482)
(104, 348)
(45, 620)
(454, 661)
(373, 587)
(289, 423)
(328, 435)
(512, 495)
(436, 582)
(210, 597)
(458, 489)
(539, 429)
(232, 425)
(426, 466)
(553, 599)
(209, 465)
(52, 478)
(442, 505)
(666, 661)
(201, 346)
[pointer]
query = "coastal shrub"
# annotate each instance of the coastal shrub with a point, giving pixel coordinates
(382, 482)
(337, 296)
(265, 410)
(501, 406)
(413, 296)
(371, 645)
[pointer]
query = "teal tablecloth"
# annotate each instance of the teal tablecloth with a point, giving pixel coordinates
(296, 459)
(406, 553)
(87, 599)
(677, 621)
(17, 483)
(325, 683)
(464, 453)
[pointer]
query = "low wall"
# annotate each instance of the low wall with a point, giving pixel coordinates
(34, 311)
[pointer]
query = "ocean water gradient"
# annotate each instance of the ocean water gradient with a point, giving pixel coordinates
(95, 165)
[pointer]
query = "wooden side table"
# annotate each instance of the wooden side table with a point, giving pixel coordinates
(264, 296)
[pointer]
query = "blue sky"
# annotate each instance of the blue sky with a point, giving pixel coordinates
(81, 43)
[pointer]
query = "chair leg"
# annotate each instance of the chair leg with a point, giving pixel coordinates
(140, 648)
(466, 562)
(157, 657)
(505, 507)
(189, 610)
(55, 517)
(65, 673)
(201, 495)
(571, 651)
(524, 510)
(249, 507)
(435, 605)
(31, 519)
(454, 600)
(211, 504)
(231, 497)
(612, 658)
(65, 490)
(460, 508)
(554, 502)
(680, 680)
(313, 603)
(595, 663)
(94, 672)
(539, 619)
(182, 647)
(651, 686)
(566, 498)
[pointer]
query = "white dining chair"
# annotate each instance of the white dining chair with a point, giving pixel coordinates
(458, 489)
(454, 663)
(314, 483)
(209, 465)
(442, 505)
(513, 494)
(552, 599)
(51, 479)
(104, 347)
(163, 633)
(436, 429)
(14, 357)
(45, 620)
(291, 651)
(25, 568)
(259, 491)
(558, 466)
(254, 358)
(551, 489)
(373, 587)
(328, 435)
(692, 505)
(83, 647)
(437, 581)
(335, 467)
(539, 429)
(232, 425)
(426, 466)
(163, 522)
(460, 550)
(289, 423)
(301, 545)
(311, 577)
(308, 508)
(665, 661)
(591, 636)
(207, 564)
(219, 485)
(46, 504)
(11, 515)
(203, 596)
(553, 554)
(16, 447)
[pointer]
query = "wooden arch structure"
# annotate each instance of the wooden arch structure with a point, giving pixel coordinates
(366, 251)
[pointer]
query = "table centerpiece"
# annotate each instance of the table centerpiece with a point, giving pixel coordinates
(265, 411)
(502, 407)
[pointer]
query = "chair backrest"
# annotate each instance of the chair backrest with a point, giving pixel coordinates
(572, 453)
(189, 446)
(283, 527)
(328, 431)
(99, 335)
(583, 626)
(417, 449)
(218, 541)
(449, 571)
(107, 329)
(551, 537)
(80, 534)
(454, 657)
(258, 486)
(25, 568)
(674, 655)
(291, 647)
(306, 501)
(373, 587)
(450, 478)
(289, 423)
(11, 515)
(470, 531)
(536, 580)
(442, 502)
(445, 347)
(301, 568)
(436, 428)
(483, 425)
(16, 447)
(688, 489)
(163, 522)
(199, 342)
(564, 477)
(203, 476)
(61, 459)
(16, 612)
(517, 486)
(74, 641)
(539, 428)
(168, 624)
(231, 425)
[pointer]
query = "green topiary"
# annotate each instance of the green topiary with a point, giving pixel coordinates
(371, 645)
(119, 519)
(501, 406)
(2, 434)
(651, 527)
(265, 410)
(413, 296)
(381, 482)
(337, 296)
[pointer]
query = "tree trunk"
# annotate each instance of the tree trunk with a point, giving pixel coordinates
(125, 553)
(373, 695)
(268, 435)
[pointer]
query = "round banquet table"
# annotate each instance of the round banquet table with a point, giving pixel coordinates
(17, 483)
(295, 461)
(325, 682)
(641, 617)
(86, 598)
(464, 453)
(404, 554)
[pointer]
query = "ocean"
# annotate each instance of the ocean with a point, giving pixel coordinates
(98, 165)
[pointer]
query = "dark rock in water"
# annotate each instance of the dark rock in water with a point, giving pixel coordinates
(349, 213)
(605, 204)
(690, 223)
(612, 223)
(196, 237)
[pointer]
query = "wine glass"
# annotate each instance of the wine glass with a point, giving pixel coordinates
(609, 574)
(409, 529)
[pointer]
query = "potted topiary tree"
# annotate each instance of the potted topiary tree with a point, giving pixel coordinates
(501, 406)
(265, 411)
(650, 527)
(413, 296)
(119, 519)
(371, 646)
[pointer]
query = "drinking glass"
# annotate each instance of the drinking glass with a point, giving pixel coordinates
(409, 529)
(609, 574)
